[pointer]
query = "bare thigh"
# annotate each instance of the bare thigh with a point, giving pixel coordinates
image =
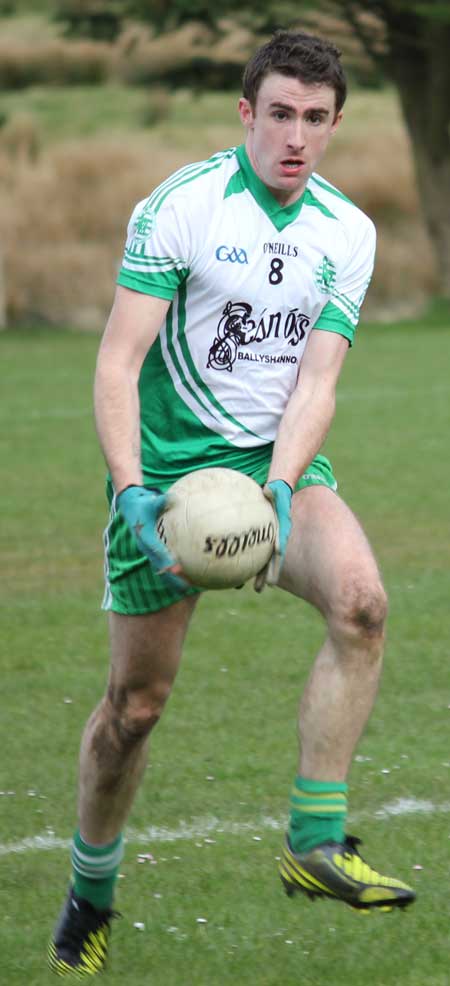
(146, 653)
(329, 561)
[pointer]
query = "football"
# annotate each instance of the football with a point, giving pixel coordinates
(219, 526)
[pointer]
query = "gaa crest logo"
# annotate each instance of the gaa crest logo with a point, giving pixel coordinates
(234, 255)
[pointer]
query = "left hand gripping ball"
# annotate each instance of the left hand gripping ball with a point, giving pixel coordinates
(219, 526)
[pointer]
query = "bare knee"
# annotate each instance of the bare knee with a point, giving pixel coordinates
(134, 712)
(359, 616)
(368, 611)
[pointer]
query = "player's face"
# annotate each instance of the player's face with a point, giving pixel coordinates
(288, 131)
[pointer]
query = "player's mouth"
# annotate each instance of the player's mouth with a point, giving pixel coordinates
(292, 166)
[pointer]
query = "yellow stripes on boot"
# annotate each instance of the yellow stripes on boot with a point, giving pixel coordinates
(92, 957)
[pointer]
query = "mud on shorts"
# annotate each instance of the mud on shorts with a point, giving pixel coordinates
(131, 585)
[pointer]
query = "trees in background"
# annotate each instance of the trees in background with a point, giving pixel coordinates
(410, 42)
(407, 41)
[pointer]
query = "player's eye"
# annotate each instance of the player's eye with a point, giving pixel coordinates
(315, 118)
(279, 115)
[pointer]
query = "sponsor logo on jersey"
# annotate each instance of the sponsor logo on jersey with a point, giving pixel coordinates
(265, 358)
(281, 249)
(237, 328)
(235, 255)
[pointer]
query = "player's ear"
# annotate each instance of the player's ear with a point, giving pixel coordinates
(336, 121)
(245, 112)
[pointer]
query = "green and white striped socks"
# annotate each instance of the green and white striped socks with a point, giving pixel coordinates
(318, 813)
(95, 870)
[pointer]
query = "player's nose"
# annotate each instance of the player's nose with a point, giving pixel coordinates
(296, 136)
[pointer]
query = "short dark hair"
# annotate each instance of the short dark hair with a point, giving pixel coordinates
(308, 58)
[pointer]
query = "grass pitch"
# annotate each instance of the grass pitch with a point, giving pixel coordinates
(213, 805)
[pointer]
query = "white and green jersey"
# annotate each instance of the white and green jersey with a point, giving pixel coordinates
(248, 281)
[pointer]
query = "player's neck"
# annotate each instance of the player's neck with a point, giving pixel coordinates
(284, 196)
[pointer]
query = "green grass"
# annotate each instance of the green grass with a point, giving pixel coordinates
(232, 713)
(63, 112)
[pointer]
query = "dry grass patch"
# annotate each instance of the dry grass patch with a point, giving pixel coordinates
(54, 62)
(65, 219)
(65, 209)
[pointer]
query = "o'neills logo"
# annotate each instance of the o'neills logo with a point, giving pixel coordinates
(281, 249)
(234, 544)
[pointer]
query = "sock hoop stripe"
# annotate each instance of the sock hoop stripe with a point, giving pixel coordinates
(101, 874)
(109, 859)
(319, 810)
(307, 786)
(96, 862)
(298, 797)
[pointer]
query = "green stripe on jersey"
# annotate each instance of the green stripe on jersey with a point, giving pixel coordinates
(162, 285)
(332, 190)
(310, 199)
(166, 415)
(281, 216)
(332, 319)
(346, 302)
(179, 327)
(184, 176)
(140, 259)
(178, 366)
(236, 185)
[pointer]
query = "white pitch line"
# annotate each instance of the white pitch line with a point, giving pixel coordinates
(34, 842)
(199, 829)
(410, 806)
(204, 827)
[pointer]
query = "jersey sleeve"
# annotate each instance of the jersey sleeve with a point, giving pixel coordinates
(157, 249)
(347, 288)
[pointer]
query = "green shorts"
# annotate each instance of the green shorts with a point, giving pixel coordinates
(131, 585)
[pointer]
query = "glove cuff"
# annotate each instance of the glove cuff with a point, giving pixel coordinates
(131, 486)
(284, 481)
